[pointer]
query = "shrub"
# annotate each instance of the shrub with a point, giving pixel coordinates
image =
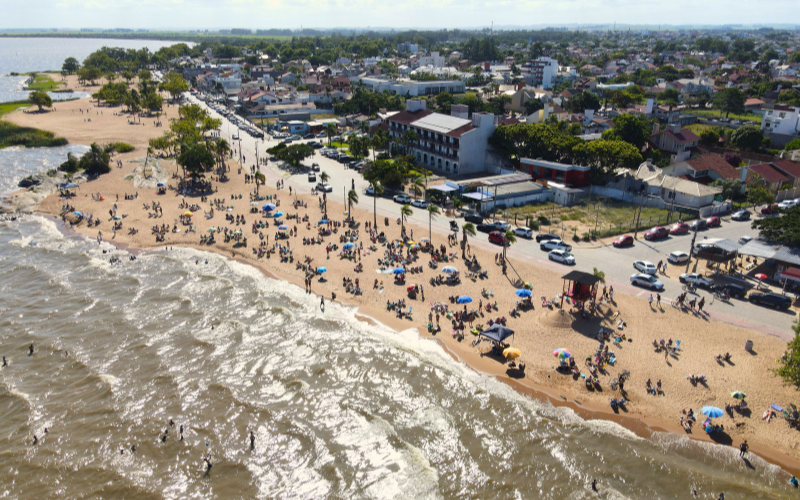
(575, 237)
(534, 225)
(52, 172)
(585, 237)
(544, 220)
(119, 147)
(733, 158)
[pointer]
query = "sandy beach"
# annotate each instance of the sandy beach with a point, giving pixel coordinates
(538, 331)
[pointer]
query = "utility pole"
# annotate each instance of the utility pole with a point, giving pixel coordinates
(597, 217)
(688, 262)
(639, 214)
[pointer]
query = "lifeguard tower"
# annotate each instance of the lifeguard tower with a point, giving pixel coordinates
(579, 287)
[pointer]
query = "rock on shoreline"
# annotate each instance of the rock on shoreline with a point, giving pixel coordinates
(36, 188)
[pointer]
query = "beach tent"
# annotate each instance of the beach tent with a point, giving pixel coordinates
(69, 185)
(497, 332)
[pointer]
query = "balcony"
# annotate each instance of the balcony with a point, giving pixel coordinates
(433, 151)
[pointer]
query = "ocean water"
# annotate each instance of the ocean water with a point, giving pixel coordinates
(339, 408)
(23, 55)
(18, 162)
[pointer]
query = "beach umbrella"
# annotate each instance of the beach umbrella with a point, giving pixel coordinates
(512, 352)
(77, 213)
(464, 299)
(412, 242)
(278, 214)
(738, 395)
(161, 184)
(712, 411)
(268, 207)
(253, 203)
(347, 246)
(523, 293)
(449, 270)
(187, 214)
(425, 240)
(776, 407)
(398, 270)
(761, 276)
(324, 221)
(411, 288)
(117, 217)
(69, 185)
(562, 353)
(283, 227)
(321, 270)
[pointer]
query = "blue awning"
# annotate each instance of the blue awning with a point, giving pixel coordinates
(497, 332)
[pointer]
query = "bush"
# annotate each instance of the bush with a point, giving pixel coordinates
(119, 147)
(12, 135)
(585, 237)
(544, 221)
(575, 237)
(733, 158)
(534, 225)
(52, 172)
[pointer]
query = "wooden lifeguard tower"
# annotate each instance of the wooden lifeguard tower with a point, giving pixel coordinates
(579, 287)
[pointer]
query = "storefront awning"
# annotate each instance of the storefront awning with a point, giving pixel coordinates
(443, 188)
(478, 196)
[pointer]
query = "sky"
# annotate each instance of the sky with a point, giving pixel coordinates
(418, 14)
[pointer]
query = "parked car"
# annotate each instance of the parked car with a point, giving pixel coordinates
(745, 240)
(370, 191)
(523, 232)
(678, 257)
(497, 237)
(775, 300)
(656, 233)
(646, 281)
(679, 228)
(474, 218)
(312, 177)
(315, 167)
(501, 226)
(645, 266)
(325, 188)
(401, 198)
(544, 237)
(697, 279)
(698, 225)
(561, 256)
(713, 222)
(484, 228)
(785, 204)
(770, 209)
(555, 245)
(735, 291)
(623, 241)
(741, 215)
(419, 204)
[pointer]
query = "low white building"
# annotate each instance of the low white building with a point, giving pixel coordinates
(540, 73)
(430, 59)
(785, 122)
(412, 87)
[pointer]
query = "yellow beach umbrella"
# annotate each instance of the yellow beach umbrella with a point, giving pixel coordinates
(187, 214)
(512, 353)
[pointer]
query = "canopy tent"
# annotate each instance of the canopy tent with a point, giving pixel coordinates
(759, 249)
(497, 332)
(791, 273)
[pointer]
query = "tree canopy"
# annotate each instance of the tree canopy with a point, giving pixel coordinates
(40, 99)
(784, 229)
(730, 100)
(174, 84)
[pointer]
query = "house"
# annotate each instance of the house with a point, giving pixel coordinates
(540, 73)
(769, 176)
(413, 88)
(573, 176)
(705, 169)
(782, 125)
(675, 190)
(446, 144)
(675, 141)
(753, 104)
(430, 59)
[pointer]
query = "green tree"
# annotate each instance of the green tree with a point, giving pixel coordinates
(145, 75)
(153, 102)
(599, 274)
(70, 166)
(40, 99)
(443, 101)
(784, 230)
(330, 131)
(324, 177)
(759, 195)
(433, 212)
(731, 188)
(531, 106)
(196, 160)
(128, 76)
(511, 238)
(352, 199)
(259, 178)
(730, 100)
(468, 229)
(70, 66)
(295, 153)
(789, 370)
(95, 161)
(748, 137)
(632, 129)
(405, 213)
(174, 84)
(709, 137)
(792, 145)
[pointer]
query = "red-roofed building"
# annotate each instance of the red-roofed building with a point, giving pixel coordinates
(450, 144)
(753, 104)
(704, 169)
(790, 169)
(773, 177)
(674, 140)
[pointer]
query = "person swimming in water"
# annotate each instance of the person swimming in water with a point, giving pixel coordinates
(252, 440)
(30, 350)
(164, 437)
(209, 465)
(5, 362)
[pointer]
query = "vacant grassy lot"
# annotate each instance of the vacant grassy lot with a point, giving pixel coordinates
(707, 113)
(8, 107)
(44, 83)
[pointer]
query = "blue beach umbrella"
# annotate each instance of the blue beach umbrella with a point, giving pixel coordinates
(348, 245)
(324, 221)
(449, 270)
(464, 299)
(278, 214)
(160, 184)
(523, 293)
(712, 411)
(283, 227)
(268, 207)
(321, 269)
(398, 270)
(77, 213)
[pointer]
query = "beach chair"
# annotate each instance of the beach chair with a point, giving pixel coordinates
(409, 312)
(678, 345)
(612, 360)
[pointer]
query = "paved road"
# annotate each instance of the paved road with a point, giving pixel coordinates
(616, 263)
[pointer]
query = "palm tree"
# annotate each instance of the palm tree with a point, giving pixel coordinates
(433, 211)
(377, 190)
(600, 275)
(259, 178)
(511, 238)
(405, 213)
(417, 186)
(467, 229)
(223, 149)
(352, 199)
(324, 177)
(330, 131)
(378, 141)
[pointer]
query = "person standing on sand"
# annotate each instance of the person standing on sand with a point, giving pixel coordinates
(658, 299)
(322, 303)
(650, 300)
(743, 448)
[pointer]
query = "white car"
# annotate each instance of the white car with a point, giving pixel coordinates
(787, 204)
(555, 245)
(678, 257)
(561, 256)
(696, 278)
(401, 198)
(325, 188)
(419, 204)
(645, 266)
(501, 226)
(745, 240)
(523, 232)
(647, 281)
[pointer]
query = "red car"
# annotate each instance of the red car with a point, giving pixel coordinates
(623, 241)
(713, 222)
(770, 209)
(497, 237)
(656, 233)
(679, 228)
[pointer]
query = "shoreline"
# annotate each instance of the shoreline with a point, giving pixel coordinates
(586, 410)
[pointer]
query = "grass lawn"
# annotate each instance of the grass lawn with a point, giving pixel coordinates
(43, 83)
(12, 135)
(698, 127)
(8, 107)
(708, 113)
(340, 145)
